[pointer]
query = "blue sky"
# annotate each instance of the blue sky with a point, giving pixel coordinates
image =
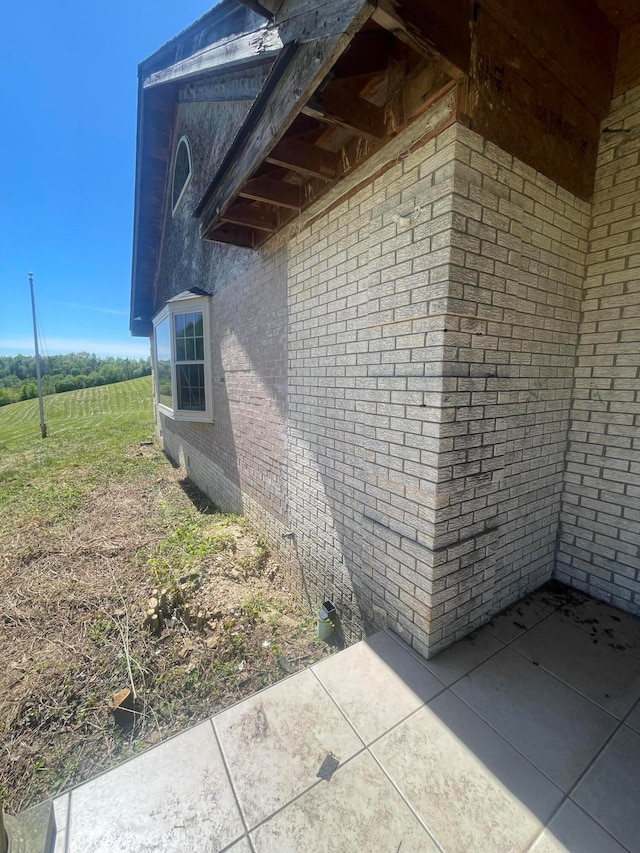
(67, 149)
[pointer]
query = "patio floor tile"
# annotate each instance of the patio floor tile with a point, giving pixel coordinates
(241, 846)
(275, 742)
(607, 624)
(357, 810)
(377, 683)
(175, 797)
(633, 719)
(608, 676)
(515, 620)
(573, 830)
(556, 728)
(609, 791)
(468, 785)
(463, 656)
(61, 812)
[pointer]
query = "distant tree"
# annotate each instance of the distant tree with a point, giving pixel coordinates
(64, 373)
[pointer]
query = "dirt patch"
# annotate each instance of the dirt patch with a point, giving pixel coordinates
(74, 592)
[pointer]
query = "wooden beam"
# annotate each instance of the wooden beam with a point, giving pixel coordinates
(516, 102)
(294, 78)
(305, 159)
(573, 39)
(233, 235)
(435, 28)
(267, 8)
(335, 106)
(422, 89)
(368, 53)
(252, 217)
(237, 50)
(270, 191)
(628, 67)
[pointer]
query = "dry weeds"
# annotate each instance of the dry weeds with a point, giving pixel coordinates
(73, 593)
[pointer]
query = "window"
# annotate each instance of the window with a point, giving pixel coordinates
(182, 357)
(181, 172)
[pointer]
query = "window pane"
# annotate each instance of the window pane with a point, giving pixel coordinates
(163, 364)
(191, 396)
(190, 321)
(189, 332)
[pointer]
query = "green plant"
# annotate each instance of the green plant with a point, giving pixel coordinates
(101, 630)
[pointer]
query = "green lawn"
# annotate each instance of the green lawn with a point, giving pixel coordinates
(89, 431)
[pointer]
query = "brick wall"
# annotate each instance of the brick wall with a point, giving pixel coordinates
(599, 543)
(512, 313)
(394, 388)
(431, 370)
(243, 452)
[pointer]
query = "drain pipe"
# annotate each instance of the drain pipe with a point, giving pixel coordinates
(33, 831)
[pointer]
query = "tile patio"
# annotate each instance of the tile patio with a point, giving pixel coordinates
(525, 736)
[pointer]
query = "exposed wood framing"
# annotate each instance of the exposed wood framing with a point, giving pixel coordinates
(440, 115)
(266, 9)
(235, 236)
(304, 159)
(519, 68)
(237, 50)
(439, 29)
(517, 103)
(628, 69)
(257, 219)
(272, 192)
(571, 39)
(294, 78)
(334, 106)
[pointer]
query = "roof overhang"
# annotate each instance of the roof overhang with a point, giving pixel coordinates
(535, 79)
(228, 38)
(347, 76)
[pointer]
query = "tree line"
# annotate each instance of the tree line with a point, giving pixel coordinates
(63, 373)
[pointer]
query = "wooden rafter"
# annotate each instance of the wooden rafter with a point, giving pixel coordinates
(295, 76)
(236, 236)
(334, 105)
(259, 219)
(304, 159)
(270, 191)
(228, 53)
(438, 29)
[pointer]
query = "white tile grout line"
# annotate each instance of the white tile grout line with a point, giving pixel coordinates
(320, 781)
(572, 687)
(302, 794)
(233, 789)
(366, 749)
(405, 800)
(595, 758)
(67, 837)
(423, 661)
(567, 795)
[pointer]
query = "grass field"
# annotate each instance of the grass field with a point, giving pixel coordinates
(92, 519)
(84, 428)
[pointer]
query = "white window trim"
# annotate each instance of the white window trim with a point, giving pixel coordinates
(170, 310)
(173, 172)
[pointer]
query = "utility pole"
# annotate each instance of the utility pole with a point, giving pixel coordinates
(43, 426)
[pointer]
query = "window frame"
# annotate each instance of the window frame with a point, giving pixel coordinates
(172, 309)
(185, 140)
